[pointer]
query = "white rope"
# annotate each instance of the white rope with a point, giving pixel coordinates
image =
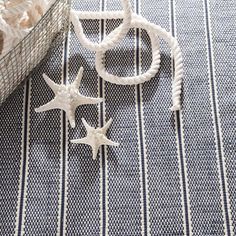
(151, 72)
(131, 20)
(111, 40)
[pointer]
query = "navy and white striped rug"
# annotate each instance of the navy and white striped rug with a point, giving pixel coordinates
(173, 174)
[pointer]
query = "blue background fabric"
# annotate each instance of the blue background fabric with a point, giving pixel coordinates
(173, 173)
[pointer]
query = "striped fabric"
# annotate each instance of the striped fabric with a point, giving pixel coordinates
(173, 174)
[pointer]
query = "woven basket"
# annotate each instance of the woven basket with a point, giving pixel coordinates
(16, 65)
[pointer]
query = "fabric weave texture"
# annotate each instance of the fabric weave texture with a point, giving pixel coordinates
(174, 173)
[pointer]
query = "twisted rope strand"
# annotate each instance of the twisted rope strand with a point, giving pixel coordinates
(112, 39)
(151, 72)
(135, 21)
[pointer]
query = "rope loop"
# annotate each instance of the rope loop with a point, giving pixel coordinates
(131, 20)
(111, 40)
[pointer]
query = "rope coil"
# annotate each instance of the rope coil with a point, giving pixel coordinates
(131, 20)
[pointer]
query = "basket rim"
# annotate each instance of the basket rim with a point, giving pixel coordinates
(3, 58)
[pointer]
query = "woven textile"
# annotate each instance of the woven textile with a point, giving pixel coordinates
(173, 173)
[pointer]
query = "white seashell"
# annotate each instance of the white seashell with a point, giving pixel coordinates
(17, 17)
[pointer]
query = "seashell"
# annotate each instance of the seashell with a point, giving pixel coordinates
(16, 7)
(1, 41)
(17, 18)
(25, 21)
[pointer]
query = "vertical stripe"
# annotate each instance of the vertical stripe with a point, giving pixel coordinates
(140, 127)
(83, 172)
(142, 162)
(23, 169)
(222, 20)
(163, 168)
(106, 192)
(106, 186)
(66, 139)
(180, 142)
(11, 158)
(123, 161)
(43, 155)
(64, 145)
(103, 160)
(200, 147)
(217, 125)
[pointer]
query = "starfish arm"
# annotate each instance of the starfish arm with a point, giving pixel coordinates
(86, 125)
(71, 117)
(106, 126)
(106, 141)
(77, 81)
(88, 100)
(81, 141)
(55, 87)
(48, 106)
(95, 149)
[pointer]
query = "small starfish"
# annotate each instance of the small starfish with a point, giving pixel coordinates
(95, 137)
(67, 97)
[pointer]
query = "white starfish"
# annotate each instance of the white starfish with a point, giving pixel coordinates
(95, 137)
(67, 97)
